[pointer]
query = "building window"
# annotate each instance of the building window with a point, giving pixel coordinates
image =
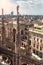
(41, 48)
(41, 41)
(40, 54)
(34, 45)
(22, 43)
(33, 51)
(37, 39)
(37, 46)
(34, 38)
(14, 32)
(22, 32)
(29, 42)
(36, 52)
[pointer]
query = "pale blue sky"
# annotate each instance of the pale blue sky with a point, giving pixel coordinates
(29, 7)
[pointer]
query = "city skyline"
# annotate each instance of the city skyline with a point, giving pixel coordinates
(26, 7)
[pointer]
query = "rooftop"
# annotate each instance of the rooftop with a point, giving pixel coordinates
(38, 29)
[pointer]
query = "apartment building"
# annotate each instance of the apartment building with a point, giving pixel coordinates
(36, 36)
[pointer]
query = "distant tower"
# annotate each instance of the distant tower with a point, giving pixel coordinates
(12, 13)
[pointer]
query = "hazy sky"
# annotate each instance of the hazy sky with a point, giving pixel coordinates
(30, 7)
